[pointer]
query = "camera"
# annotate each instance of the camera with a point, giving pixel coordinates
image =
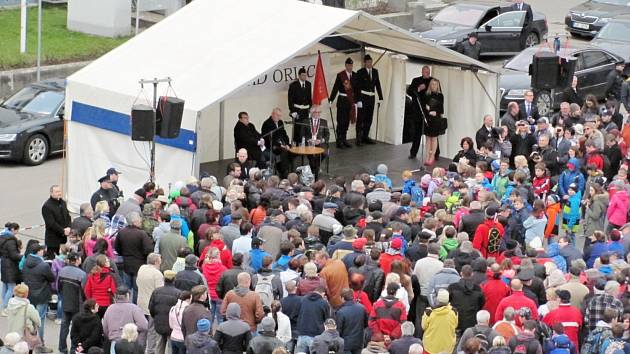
(496, 132)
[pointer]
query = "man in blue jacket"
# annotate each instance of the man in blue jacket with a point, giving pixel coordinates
(351, 320)
(313, 312)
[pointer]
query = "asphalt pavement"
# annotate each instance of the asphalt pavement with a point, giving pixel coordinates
(23, 189)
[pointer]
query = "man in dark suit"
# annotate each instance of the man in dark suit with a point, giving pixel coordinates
(317, 134)
(346, 101)
(299, 101)
(571, 93)
(528, 110)
(247, 137)
(368, 82)
(416, 91)
(485, 132)
(279, 145)
(57, 221)
(519, 5)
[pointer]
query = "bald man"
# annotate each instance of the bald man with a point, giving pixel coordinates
(518, 301)
(251, 306)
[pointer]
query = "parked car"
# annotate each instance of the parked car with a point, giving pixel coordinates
(615, 36)
(31, 122)
(589, 17)
(499, 30)
(593, 64)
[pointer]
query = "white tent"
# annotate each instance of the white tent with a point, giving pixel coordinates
(225, 56)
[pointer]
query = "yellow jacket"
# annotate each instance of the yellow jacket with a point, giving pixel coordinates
(439, 330)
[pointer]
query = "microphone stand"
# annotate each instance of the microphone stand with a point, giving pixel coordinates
(271, 154)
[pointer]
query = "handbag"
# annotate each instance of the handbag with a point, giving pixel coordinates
(32, 339)
(442, 124)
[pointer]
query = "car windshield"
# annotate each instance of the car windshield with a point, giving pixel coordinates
(35, 100)
(522, 61)
(614, 2)
(616, 31)
(459, 15)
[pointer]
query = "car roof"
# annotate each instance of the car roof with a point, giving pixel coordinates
(55, 84)
(478, 5)
(571, 48)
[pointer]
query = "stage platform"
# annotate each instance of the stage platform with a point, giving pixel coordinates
(348, 162)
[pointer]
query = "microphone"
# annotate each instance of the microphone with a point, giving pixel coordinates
(287, 122)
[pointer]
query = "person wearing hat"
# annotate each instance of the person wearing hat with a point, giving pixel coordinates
(329, 341)
(603, 300)
(517, 300)
(190, 276)
(299, 99)
(70, 280)
(571, 175)
(122, 312)
(570, 317)
(105, 192)
(439, 324)
(368, 85)
(265, 342)
(393, 253)
(358, 249)
(489, 234)
(326, 220)
(201, 342)
(470, 47)
(133, 203)
(114, 176)
(160, 303)
(346, 85)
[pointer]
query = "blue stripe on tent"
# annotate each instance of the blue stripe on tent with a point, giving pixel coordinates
(121, 123)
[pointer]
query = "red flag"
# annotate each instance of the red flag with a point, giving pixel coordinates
(320, 90)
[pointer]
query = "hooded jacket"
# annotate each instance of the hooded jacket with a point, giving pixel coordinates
(439, 327)
(594, 215)
(39, 278)
(250, 303)
(201, 343)
(571, 176)
(16, 309)
(212, 272)
(494, 289)
(618, 208)
(233, 335)
(553, 251)
(467, 298)
(329, 342)
(87, 330)
(441, 280)
(387, 315)
(10, 254)
(264, 343)
(313, 312)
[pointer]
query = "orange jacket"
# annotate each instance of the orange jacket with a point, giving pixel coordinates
(554, 217)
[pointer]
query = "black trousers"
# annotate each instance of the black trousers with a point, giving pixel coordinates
(416, 137)
(282, 159)
(365, 117)
(343, 118)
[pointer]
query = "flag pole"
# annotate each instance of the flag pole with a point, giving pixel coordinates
(320, 79)
(332, 120)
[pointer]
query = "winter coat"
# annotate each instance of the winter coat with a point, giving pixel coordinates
(291, 305)
(149, 278)
(402, 344)
(10, 254)
(594, 214)
(329, 342)
(39, 278)
(256, 256)
(534, 228)
(481, 237)
(126, 347)
(193, 313)
(233, 335)
(201, 343)
(134, 245)
(529, 340)
(161, 301)
(467, 298)
(618, 208)
(517, 301)
(336, 276)
(228, 280)
(168, 247)
(250, 303)
(70, 286)
(264, 343)
(87, 330)
(387, 315)
(448, 245)
(16, 309)
(441, 280)
(175, 320)
(374, 280)
(56, 218)
(570, 317)
(553, 251)
(314, 310)
(351, 320)
(592, 252)
(471, 221)
(118, 315)
(188, 278)
(571, 176)
(475, 330)
(439, 330)
(212, 272)
(554, 219)
(101, 287)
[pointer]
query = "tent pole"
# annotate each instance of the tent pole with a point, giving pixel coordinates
(221, 128)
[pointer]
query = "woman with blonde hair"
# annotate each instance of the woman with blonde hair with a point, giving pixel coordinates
(520, 164)
(95, 233)
(128, 341)
(101, 211)
(21, 312)
(433, 108)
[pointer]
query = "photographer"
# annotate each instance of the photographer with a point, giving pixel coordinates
(500, 141)
(543, 152)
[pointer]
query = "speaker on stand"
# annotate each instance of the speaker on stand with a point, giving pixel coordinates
(545, 71)
(142, 123)
(169, 116)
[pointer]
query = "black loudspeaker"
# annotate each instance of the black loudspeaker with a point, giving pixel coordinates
(567, 70)
(142, 123)
(169, 116)
(545, 71)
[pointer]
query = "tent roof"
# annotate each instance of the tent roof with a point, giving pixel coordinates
(212, 48)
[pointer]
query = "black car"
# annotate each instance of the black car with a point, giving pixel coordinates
(499, 30)
(593, 64)
(589, 17)
(615, 36)
(31, 122)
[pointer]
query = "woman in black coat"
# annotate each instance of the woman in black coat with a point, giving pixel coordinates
(87, 330)
(467, 151)
(433, 107)
(10, 258)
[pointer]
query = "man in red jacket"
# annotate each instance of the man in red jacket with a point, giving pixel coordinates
(388, 313)
(518, 301)
(494, 290)
(569, 316)
(488, 236)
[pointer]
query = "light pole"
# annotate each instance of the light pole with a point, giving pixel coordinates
(39, 38)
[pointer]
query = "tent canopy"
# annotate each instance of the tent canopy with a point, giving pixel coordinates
(212, 48)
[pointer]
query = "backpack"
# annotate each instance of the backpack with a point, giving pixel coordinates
(523, 347)
(595, 340)
(483, 339)
(614, 347)
(494, 240)
(264, 289)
